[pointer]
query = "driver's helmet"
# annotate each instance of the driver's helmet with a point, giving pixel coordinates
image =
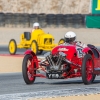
(36, 25)
(70, 37)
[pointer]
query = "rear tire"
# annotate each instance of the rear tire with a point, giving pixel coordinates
(87, 70)
(12, 47)
(28, 71)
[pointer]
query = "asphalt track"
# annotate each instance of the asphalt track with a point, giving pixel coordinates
(13, 84)
(4, 50)
(13, 87)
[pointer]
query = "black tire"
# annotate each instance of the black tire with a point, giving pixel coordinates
(87, 75)
(12, 47)
(35, 47)
(61, 41)
(94, 76)
(25, 70)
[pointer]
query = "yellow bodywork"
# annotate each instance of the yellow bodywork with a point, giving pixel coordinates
(44, 40)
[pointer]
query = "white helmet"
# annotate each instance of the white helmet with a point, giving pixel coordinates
(36, 24)
(70, 37)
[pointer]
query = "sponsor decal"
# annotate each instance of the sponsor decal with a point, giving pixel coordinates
(63, 49)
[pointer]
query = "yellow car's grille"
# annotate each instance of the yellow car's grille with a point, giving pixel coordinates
(48, 41)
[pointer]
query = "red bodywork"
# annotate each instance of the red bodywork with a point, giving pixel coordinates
(66, 61)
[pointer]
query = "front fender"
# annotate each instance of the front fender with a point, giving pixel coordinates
(88, 50)
(30, 52)
(85, 50)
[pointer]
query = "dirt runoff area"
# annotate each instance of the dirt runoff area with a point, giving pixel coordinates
(10, 64)
(81, 97)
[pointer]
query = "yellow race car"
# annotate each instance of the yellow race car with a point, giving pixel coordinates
(37, 40)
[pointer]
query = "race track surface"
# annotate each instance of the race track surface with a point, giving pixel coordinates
(13, 84)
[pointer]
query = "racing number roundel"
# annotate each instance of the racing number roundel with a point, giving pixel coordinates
(79, 52)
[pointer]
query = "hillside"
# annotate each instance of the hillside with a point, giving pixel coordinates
(45, 6)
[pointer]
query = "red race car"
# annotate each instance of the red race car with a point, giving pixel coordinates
(63, 62)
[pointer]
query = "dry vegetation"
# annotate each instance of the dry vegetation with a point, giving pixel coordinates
(45, 6)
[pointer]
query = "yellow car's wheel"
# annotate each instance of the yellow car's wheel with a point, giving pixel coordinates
(34, 47)
(61, 41)
(12, 47)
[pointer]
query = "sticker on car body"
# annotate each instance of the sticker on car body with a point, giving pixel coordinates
(79, 52)
(63, 49)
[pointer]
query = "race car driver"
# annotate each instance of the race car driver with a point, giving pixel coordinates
(70, 38)
(36, 25)
(36, 29)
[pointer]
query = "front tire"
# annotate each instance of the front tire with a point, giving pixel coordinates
(87, 69)
(29, 69)
(12, 47)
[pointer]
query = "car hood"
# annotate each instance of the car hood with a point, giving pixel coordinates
(69, 50)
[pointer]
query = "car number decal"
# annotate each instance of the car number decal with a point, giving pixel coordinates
(79, 52)
(48, 41)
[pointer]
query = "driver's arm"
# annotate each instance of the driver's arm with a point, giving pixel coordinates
(81, 44)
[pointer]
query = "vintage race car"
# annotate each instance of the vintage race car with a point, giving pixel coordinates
(63, 62)
(37, 40)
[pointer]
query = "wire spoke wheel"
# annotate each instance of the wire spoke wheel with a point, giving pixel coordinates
(87, 69)
(28, 69)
